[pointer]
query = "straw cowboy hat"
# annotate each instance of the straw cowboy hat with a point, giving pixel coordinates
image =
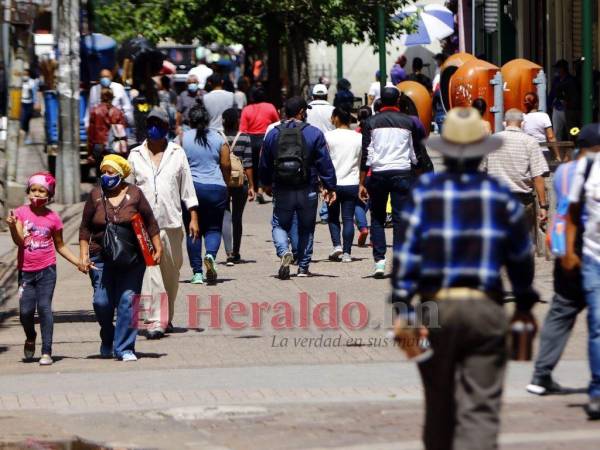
(463, 136)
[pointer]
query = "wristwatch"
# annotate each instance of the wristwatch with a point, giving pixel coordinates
(546, 207)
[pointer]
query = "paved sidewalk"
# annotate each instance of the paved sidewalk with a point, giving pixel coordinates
(257, 388)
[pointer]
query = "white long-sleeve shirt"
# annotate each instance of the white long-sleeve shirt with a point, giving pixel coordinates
(120, 100)
(165, 186)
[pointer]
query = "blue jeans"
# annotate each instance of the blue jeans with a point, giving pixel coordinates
(37, 289)
(114, 289)
(282, 240)
(324, 212)
(303, 203)
(212, 201)
(396, 184)
(590, 272)
(347, 197)
(360, 214)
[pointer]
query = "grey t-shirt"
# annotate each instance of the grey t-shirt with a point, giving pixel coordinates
(185, 102)
(216, 102)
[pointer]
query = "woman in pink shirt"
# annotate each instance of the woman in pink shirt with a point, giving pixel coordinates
(255, 119)
(37, 231)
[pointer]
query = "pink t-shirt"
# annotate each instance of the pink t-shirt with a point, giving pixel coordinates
(37, 252)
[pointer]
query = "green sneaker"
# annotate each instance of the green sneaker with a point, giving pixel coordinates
(211, 270)
(197, 279)
(379, 269)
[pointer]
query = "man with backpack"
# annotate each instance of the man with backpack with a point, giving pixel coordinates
(583, 196)
(293, 159)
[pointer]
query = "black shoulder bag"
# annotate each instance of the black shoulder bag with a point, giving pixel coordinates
(120, 245)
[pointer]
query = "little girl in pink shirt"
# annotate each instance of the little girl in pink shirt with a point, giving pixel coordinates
(37, 231)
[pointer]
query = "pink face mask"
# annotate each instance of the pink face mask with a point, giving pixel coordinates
(38, 202)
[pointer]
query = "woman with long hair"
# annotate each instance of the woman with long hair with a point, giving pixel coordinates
(210, 164)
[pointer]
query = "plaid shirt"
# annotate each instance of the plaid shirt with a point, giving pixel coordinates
(458, 230)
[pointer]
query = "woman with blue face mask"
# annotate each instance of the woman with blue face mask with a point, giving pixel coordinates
(116, 285)
(210, 164)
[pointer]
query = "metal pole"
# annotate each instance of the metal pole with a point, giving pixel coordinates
(381, 45)
(461, 27)
(587, 85)
(499, 43)
(67, 161)
(473, 34)
(340, 61)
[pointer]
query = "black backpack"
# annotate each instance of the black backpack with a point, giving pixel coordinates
(291, 164)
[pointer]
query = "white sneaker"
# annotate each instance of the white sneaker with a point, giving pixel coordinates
(336, 253)
(379, 269)
(128, 356)
(346, 258)
(46, 360)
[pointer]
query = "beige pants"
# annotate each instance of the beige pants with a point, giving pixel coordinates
(165, 278)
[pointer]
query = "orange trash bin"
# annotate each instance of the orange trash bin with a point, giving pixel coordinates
(421, 98)
(518, 76)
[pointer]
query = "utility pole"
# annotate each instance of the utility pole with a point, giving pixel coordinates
(381, 46)
(587, 83)
(67, 160)
(340, 60)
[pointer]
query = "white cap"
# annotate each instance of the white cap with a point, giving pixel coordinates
(319, 89)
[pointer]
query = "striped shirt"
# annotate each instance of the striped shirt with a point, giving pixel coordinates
(517, 162)
(243, 149)
(458, 230)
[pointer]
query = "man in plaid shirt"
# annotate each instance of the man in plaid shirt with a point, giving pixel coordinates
(459, 228)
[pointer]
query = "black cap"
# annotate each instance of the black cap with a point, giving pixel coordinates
(390, 96)
(562, 64)
(294, 105)
(589, 136)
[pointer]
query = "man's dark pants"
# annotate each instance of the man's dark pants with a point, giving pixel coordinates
(463, 379)
(567, 303)
(396, 184)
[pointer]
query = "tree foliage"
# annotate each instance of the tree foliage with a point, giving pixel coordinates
(245, 21)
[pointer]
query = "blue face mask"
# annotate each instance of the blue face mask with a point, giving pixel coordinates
(192, 87)
(105, 82)
(155, 133)
(110, 181)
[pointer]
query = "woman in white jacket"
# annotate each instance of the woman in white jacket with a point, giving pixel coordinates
(161, 170)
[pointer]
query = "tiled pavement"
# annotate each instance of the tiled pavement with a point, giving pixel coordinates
(245, 389)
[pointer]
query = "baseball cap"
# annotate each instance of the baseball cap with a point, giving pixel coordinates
(390, 96)
(319, 89)
(294, 105)
(589, 136)
(158, 113)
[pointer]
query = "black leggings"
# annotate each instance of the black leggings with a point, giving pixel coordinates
(235, 204)
(256, 142)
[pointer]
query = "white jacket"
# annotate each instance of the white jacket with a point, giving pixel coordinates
(165, 187)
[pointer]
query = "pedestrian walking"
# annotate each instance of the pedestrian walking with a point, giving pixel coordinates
(106, 130)
(418, 75)
(568, 300)
(344, 98)
(393, 153)
(186, 101)
(37, 232)
(537, 124)
(345, 149)
(458, 230)
(161, 170)
(520, 164)
(109, 247)
(29, 103)
(319, 114)
(217, 101)
(374, 90)
(120, 98)
(256, 117)
(583, 198)
(242, 190)
(565, 100)
(293, 159)
(210, 164)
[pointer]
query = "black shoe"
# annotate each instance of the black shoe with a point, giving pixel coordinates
(155, 334)
(303, 273)
(170, 328)
(544, 386)
(236, 258)
(593, 408)
(260, 198)
(230, 261)
(284, 267)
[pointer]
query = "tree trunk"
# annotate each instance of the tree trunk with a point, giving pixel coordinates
(67, 162)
